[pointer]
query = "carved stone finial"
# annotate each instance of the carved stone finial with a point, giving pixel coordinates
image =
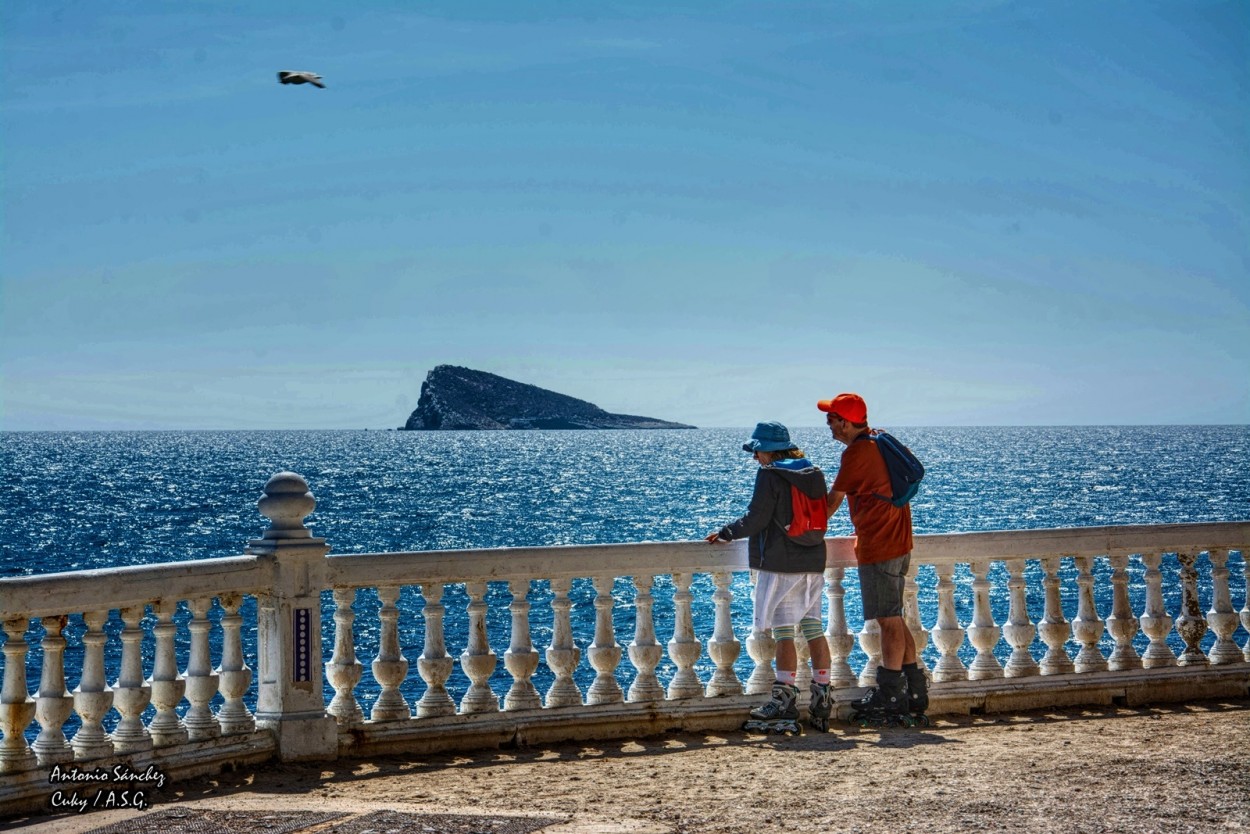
(286, 503)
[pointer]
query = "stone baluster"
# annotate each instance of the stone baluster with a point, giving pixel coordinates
(435, 664)
(911, 616)
(344, 670)
(684, 649)
(1222, 618)
(93, 697)
(1121, 625)
(1191, 625)
(131, 694)
(563, 656)
(1155, 620)
(1054, 628)
(201, 683)
(1019, 629)
(1086, 627)
(645, 652)
(520, 659)
(841, 639)
(54, 704)
(870, 642)
(761, 648)
(167, 687)
(947, 634)
(724, 647)
(605, 653)
(1245, 608)
(984, 633)
(390, 667)
(17, 708)
(234, 716)
(477, 660)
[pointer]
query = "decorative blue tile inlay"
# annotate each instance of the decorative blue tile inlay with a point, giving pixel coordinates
(302, 637)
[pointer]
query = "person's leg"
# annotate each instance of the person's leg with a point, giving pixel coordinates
(786, 657)
(898, 647)
(783, 702)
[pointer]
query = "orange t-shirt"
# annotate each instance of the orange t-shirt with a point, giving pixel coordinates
(882, 530)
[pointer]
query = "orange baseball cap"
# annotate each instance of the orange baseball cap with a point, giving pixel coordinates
(850, 407)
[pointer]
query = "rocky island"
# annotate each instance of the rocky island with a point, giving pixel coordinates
(455, 398)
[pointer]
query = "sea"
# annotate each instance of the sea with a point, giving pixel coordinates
(82, 500)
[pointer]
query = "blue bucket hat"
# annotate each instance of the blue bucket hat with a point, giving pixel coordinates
(769, 437)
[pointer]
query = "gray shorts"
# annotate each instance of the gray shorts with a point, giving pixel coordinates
(881, 585)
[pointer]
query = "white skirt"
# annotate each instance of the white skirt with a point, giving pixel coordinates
(783, 599)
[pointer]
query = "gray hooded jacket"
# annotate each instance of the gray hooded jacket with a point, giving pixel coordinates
(769, 514)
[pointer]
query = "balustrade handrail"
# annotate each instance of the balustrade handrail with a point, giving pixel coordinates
(53, 594)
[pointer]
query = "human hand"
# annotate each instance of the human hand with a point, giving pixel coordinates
(714, 538)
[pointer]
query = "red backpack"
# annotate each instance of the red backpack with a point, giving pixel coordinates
(811, 518)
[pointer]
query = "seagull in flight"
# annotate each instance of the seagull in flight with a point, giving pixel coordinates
(300, 77)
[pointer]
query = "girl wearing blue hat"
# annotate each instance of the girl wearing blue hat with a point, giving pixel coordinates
(784, 526)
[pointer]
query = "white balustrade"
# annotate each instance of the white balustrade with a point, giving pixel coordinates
(840, 638)
(389, 667)
(1054, 627)
(683, 649)
(1155, 621)
(947, 634)
(434, 664)
(93, 697)
(234, 676)
(53, 704)
(911, 616)
(1121, 624)
(17, 708)
(201, 683)
(1190, 625)
(1086, 627)
(166, 686)
(645, 652)
(723, 648)
(1019, 629)
(563, 655)
(477, 660)
(605, 653)
(1221, 617)
(288, 622)
(520, 659)
(131, 694)
(984, 633)
(1245, 610)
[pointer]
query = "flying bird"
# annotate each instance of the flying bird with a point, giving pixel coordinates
(300, 77)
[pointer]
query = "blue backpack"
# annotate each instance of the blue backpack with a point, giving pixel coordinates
(905, 469)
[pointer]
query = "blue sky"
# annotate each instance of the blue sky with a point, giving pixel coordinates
(972, 213)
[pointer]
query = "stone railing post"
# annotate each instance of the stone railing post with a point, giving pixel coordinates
(390, 667)
(984, 633)
(724, 647)
(54, 703)
(201, 683)
(1222, 618)
(435, 664)
(605, 653)
(1245, 610)
(1190, 625)
(1121, 625)
(131, 694)
(167, 687)
(645, 652)
(1086, 627)
(93, 697)
(520, 659)
(946, 632)
(1054, 628)
(1019, 629)
(761, 648)
(1155, 621)
(841, 639)
(290, 702)
(233, 675)
(344, 669)
(17, 708)
(563, 656)
(683, 648)
(477, 661)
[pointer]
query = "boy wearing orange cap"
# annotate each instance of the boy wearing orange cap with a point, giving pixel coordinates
(883, 543)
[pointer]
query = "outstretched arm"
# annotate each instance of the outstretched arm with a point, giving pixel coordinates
(832, 501)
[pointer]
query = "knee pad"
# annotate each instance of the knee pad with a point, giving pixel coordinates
(811, 628)
(783, 633)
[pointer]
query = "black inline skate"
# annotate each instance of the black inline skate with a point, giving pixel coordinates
(885, 705)
(917, 694)
(820, 707)
(779, 715)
